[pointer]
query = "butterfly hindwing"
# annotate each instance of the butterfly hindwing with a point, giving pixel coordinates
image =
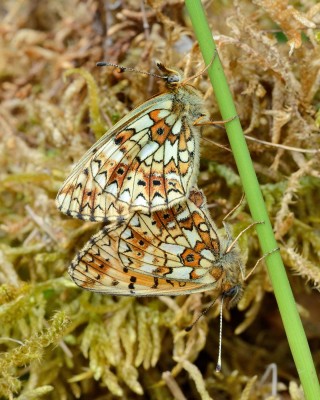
(170, 252)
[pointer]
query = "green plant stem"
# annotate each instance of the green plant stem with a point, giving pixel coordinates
(282, 290)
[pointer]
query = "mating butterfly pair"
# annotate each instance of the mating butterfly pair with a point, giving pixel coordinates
(139, 179)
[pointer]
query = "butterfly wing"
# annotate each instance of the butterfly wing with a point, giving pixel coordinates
(168, 252)
(148, 161)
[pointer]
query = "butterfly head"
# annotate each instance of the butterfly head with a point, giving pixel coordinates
(233, 295)
(171, 76)
(232, 286)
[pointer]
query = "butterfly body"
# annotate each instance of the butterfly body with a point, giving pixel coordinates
(172, 252)
(147, 162)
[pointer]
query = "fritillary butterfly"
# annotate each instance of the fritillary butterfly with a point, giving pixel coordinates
(169, 252)
(147, 162)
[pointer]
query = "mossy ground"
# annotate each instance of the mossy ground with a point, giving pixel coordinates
(60, 342)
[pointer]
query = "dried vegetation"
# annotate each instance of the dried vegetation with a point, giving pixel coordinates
(58, 342)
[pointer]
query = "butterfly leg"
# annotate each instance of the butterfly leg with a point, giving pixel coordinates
(234, 208)
(259, 260)
(203, 70)
(226, 227)
(198, 122)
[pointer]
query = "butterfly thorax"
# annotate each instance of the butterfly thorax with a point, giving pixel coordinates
(187, 101)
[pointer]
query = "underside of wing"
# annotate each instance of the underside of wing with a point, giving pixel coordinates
(111, 279)
(82, 198)
(98, 268)
(167, 252)
(147, 163)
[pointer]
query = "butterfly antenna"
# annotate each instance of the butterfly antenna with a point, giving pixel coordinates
(188, 328)
(219, 362)
(123, 69)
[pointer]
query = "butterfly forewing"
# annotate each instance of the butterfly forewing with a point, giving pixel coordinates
(146, 162)
(171, 252)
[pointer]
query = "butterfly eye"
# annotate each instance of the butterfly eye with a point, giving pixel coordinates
(173, 78)
(232, 292)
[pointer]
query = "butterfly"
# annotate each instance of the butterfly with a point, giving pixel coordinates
(147, 162)
(169, 252)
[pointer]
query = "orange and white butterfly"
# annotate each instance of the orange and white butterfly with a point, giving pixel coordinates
(147, 162)
(171, 252)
